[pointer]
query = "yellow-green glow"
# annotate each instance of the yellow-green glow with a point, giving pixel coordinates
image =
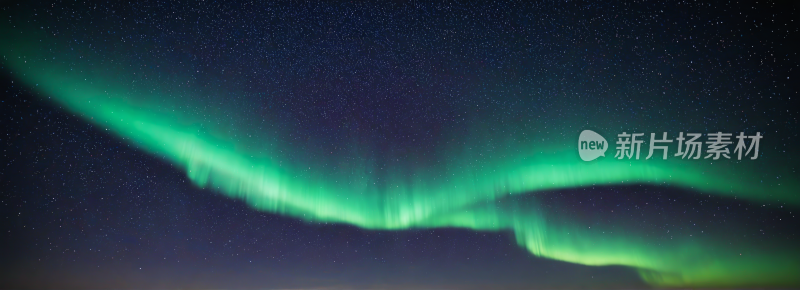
(462, 195)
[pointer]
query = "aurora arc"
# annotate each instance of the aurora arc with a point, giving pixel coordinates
(465, 199)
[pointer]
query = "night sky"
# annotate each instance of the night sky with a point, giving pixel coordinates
(371, 145)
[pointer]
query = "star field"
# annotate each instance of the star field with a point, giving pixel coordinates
(393, 145)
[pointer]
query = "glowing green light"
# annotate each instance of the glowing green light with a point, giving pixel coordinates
(464, 195)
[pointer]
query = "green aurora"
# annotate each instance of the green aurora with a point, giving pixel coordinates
(462, 191)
